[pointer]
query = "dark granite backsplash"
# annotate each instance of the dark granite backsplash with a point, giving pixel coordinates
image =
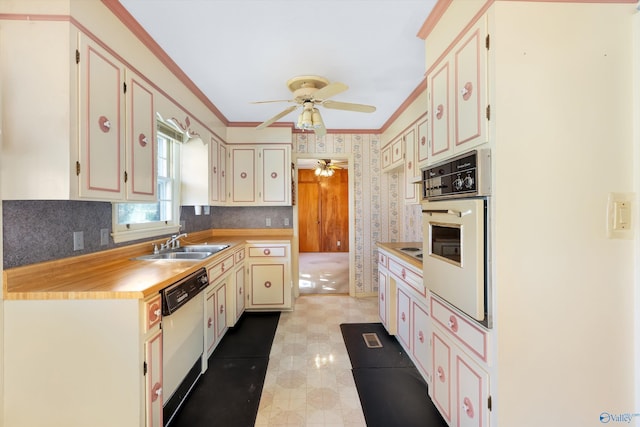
(42, 230)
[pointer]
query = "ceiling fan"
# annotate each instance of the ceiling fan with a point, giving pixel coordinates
(327, 167)
(310, 92)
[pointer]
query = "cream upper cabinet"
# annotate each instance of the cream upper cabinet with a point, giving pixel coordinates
(411, 170)
(457, 97)
(116, 158)
(393, 155)
(260, 175)
(422, 142)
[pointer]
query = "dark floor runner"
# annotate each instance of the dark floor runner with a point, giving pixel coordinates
(392, 391)
(228, 394)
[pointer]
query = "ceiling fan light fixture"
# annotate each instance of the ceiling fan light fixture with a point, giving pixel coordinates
(324, 169)
(316, 119)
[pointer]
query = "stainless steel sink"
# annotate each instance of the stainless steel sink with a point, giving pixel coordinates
(185, 253)
(200, 248)
(178, 256)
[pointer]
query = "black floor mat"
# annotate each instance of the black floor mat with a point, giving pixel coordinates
(391, 390)
(228, 394)
(390, 355)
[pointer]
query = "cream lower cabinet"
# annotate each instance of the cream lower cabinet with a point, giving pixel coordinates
(386, 295)
(236, 296)
(67, 361)
(269, 275)
(220, 275)
(460, 385)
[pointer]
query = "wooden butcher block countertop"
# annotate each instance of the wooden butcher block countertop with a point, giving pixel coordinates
(394, 248)
(114, 274)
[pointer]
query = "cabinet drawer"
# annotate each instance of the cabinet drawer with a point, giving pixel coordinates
(409, 276)
(218, 269)
(267, 251)
(471, 336)
(152, 312)
(238, 256)
(383, 259)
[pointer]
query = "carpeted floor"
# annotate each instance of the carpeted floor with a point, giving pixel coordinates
(228, 394)
(392, 391)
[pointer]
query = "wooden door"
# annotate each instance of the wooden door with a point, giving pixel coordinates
(309, 214)
(323, 211)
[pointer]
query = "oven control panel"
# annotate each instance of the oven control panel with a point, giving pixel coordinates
(467, 175)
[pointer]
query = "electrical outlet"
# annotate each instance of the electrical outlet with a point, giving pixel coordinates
(183, 224)
(268, 222)
(104, 236)
(78, 240)
(286, 221)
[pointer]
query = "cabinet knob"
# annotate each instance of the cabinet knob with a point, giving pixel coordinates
(156, 391)
(403, 317)
(404, 273)
(240, 291)
(381, 297)
(467, 407)
(439, 111)
(267, 251)
(420, 336)
(467, 91)
(209, 322)
(440, 374)
(222, 309)
(274, 175)
(142, 140)
(453, 323)
(267, 284)
(104, 123)
(243, 175)
(154, 312)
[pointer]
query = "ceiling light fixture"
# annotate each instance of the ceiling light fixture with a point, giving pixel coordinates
(323, 169)
(310, 118)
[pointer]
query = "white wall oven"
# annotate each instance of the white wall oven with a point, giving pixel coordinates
(456, 195)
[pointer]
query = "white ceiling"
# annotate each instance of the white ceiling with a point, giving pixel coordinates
(239, 51)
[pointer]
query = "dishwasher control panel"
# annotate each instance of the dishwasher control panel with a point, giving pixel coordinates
(178, 294)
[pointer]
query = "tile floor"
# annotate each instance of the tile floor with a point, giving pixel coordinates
(309, 381)
(324, 272)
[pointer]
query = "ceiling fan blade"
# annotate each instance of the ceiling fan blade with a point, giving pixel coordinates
(276, 117)
(267, 102)
(336, 105)
(329, 90)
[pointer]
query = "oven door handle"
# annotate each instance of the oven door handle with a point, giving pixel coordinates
(446, 212)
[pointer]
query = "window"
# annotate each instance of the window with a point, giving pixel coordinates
(133, 221)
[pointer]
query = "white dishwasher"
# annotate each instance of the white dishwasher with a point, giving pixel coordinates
(182, 339)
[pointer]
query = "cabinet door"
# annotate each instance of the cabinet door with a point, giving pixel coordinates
(472, 391)
(411, 171)
(386, 157)
(221, 311)
(441, 385)
(404, 320)
(222, 176)
(440, 139)
(153, 380)
(210, 319)
(275, 168)
(421, 328)
(397, 151)
(101, 165)
(470, 91)
(382, 296)
(423, 146)
(243, 179)
(214, 171)
(239, 277)
(141, 141)
(267, 285)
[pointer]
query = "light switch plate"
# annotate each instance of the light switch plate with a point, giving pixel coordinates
(78, 240)
(620, 215)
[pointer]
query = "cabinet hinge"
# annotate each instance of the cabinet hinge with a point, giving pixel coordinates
(489, 112)
(489, 403)
(144, 368)
(77, 168)
(77, 56)
(487, 41)
(124, 87)
(126, 176)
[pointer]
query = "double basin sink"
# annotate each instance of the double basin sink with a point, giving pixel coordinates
(185, 253)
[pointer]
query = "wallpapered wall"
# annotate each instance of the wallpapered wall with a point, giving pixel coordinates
(380, 213)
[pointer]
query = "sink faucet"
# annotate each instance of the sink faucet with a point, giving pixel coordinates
(173, 242)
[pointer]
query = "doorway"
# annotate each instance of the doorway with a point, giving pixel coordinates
(324, 235)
